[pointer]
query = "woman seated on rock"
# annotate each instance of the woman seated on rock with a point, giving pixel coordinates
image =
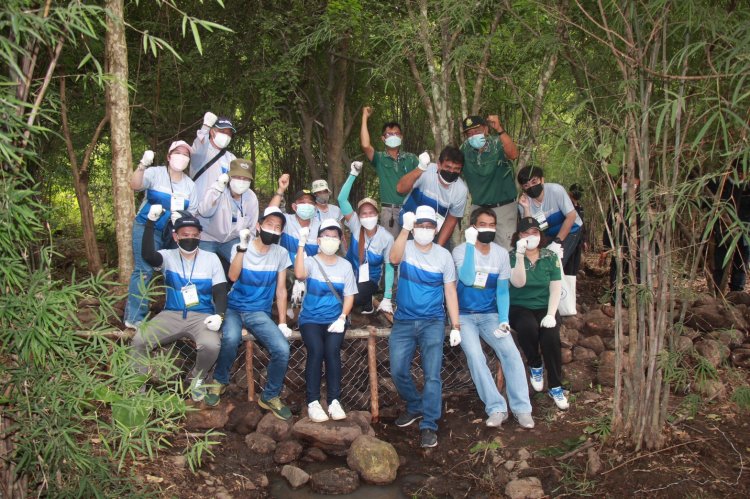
(535, 290)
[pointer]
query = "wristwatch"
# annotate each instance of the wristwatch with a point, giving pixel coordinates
(557, 240)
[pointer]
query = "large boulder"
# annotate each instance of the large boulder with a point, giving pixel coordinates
(741, 357)
(714, 351)
(713, 316)
(334, 437)
(567, 355)
(598, 323)
(244, 418)
(729, 337)
(363, 419)
(260, 443)
(569, 337)
(287, 451)
(525, 488)
(581, 353)
(579, 375)
(683, 344)
(594, 343)
(375, 461)
(295, 476)
(209, 417)
(276, 428)
(336, 481)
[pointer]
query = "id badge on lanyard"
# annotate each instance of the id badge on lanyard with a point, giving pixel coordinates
(480, 279)
(190, 295)
(542, 220)
(364, 272)
(177, 202)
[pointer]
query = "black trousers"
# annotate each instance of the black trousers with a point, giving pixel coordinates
(531, 336)
(365, 290)
(735, 265)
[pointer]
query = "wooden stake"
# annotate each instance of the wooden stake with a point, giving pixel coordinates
(372, 364)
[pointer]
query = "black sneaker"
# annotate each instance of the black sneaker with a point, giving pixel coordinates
(406, 419)
(429, 438)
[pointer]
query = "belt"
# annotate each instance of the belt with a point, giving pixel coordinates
(389, 205)
(497, 205)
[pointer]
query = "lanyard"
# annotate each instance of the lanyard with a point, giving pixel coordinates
(184, 274)
(239, 205)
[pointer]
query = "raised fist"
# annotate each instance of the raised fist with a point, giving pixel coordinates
(367, 111)
(355, 168)
(408, 220)
(284, 182)
(155, 212)
(471, 235)
(424, 161)
(147, 159)
(244, 238)
(209, 119)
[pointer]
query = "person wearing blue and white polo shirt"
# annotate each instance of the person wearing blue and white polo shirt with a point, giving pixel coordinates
(258, 271)
(551, 206)
(372, 258)
(438, 186)
(426, 286)
(196, 297)
(330, 295)
(483, 303)
(169, 188)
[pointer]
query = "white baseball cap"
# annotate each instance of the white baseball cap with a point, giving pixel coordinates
(424, 214)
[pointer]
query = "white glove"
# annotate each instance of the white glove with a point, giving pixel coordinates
(155, 212)
(409, 218)
(424, 161)
(338, 326)
(244, 238)
(471, 235)
(386, 306)
(356, 168)
(548, 321)
(521, 246)
(213, 322)
(209, 119)
(221, 182)
(285, 330)
(304, 233)
(502, 330)
(298, 292)
(556, 249)
(455, 338)
(147, 159)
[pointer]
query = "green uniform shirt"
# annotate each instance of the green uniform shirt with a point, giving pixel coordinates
(390, 172)
(488, 173)
(535, 294)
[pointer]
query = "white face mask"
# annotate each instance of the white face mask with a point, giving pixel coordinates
(178, 162)
(329, 245)
(369, 223)
(532, 242)
(423, 237)
(393, 141)
(239, 186)
(222, 140)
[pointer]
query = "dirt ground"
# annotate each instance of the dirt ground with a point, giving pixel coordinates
(706, 454)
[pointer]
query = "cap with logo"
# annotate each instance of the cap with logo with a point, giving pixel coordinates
(302, 193)
(223, 123)
(273, 211)
(368, 201)
(527, 223)
(330, 223)
(186, 220)
(424, 214)
(319, 185)
(241, 168)
(472, 122)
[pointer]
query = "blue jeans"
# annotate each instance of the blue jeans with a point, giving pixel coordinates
(268, 335)
(138, 303)
(322, 345)
(429, 335)
(224, 250)
(476, 326)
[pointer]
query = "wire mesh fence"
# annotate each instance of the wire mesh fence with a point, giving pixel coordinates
(366, 380)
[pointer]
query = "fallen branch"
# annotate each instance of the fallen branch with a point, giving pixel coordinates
(575, 451)
(655, 452)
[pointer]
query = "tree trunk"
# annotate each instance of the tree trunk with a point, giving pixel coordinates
(118, 109)
(335, 133)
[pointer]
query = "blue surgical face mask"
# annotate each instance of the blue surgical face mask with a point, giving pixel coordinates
(477, 141)
(393, 141)
(305, 211)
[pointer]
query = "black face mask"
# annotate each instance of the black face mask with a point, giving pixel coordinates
(188, 244)
(486, 236)
(269, 238)
(534, 191)
(448, 177)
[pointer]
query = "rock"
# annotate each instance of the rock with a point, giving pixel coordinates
(691, 333)
(287, 451)
(728, 337)
(179, 461)
(334, 437)
(376, 461)
(572, 322)
(710, 317)
(262, 481)
(274, 427)
(223, 494)
(525, 488)
(594, 463)
(363, 419)
(260, 443)
(509, 465)
(741, 357)
(683, 344)
(523, 454)
(569, 337)
(335, 481)
(598, 323)
(738, 297)
(314, 455)
(608, 310)
(594, 343)
(579, 374)
(605, 371)
(209, 417)
(567, 355)
(295, 476)
(581, 353)
(713, 351)
(712, 389)
(523, 465)
(244, 418)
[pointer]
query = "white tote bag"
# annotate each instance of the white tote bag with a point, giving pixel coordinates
(568, 297)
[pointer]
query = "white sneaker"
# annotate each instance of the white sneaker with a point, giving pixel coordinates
(316, 413)
(336, 411)
(558, 395)
(537, 378)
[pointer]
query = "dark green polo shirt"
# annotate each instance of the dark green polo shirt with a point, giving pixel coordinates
(390, 172)
(535, 294)
(488, 173)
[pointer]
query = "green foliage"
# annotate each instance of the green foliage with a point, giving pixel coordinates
(741, 397)
(599, 427)
(196, 449)
(484, 446)
(676, 370)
